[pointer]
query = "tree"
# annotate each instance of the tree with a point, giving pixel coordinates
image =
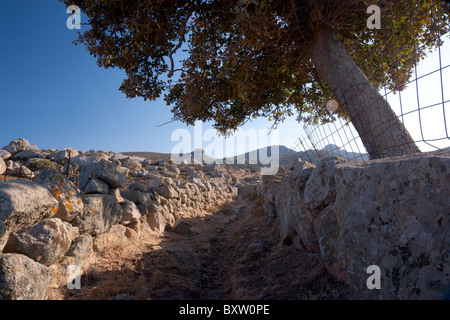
(247, 59)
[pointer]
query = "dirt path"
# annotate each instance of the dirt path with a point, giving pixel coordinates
(229, 254)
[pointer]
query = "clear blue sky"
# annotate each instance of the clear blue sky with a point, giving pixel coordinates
(53, 94)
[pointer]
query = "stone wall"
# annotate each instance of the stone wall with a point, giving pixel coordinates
(392, 213)
(48, 224)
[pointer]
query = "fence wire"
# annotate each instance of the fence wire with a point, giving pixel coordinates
(422, 107)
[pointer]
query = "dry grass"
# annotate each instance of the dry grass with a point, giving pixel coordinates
(212, 262)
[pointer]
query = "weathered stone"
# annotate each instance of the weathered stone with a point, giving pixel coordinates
(139, 197)
(67, 194)
(89, 158)
(27, 154)
(167, 192)
(17, 146)
(132, 164)
(46, 242)
(115, 192)
(115, 235)
(326, 229)
(174, 169)
(96, 186)
(2, 166)
(130, 213)
(99, 214)
(26, 173)
(21, 278)
(64, 154)
(81, 250)
(115, 176)
(181, 226)
(284, 199)
(156, 221)
(25, 203)
(394, 213)
(164, 181)
(136, 186)
(320, 190)
(4, 154)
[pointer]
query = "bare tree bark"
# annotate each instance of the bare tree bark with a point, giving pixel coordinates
(381, 132)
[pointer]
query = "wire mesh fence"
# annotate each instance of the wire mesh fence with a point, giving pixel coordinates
(422, 106)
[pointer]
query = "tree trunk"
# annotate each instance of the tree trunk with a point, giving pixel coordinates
(382, 134)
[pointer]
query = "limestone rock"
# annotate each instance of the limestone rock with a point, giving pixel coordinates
(394, 213)
(21, 278)
(167, 192)
(320, 190)
(61, 155)
(156, 221)
(27, 154)
(2, 166)
(89, 158)
(115, 235)
(181, 226)
(67, 194)
(132, 164)
(115, 192)
(25, 203)
(46, 242)
(4, 154)
(96, 186)
(17, 146)
(113, 175)
(81, 250)
(130, 213)
(99, 214)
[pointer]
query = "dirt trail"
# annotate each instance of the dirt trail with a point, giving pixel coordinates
(229, 254)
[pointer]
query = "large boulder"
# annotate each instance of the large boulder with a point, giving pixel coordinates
(89, 158)
(30, 153)
(25, 203)
(47, 242)
(100, 213)
(64, 154)
(67, 194)
(132, 164)
(4, 154)
(17, 146)
(2, 166)
(292, 210)
(21, 278)
(113, 175)
(96, 186)
(81, 251)
(320, 190)
(130, 213)
(167, 192)
(392, 213)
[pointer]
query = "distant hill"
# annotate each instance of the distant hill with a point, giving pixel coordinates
(148, 155)
(286, 155)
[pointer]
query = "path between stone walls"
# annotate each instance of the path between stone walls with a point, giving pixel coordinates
(228, 254)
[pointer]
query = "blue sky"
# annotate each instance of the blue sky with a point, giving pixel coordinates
(53, 94)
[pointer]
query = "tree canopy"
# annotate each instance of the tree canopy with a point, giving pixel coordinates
(245, 59)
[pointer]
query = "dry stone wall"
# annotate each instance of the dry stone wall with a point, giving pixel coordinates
(391, 213)
(49, 223)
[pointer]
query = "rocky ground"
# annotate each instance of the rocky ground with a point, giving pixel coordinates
(143, 229)
(228, 254)
(120, 213)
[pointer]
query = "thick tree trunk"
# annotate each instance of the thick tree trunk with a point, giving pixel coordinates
(380, 130)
